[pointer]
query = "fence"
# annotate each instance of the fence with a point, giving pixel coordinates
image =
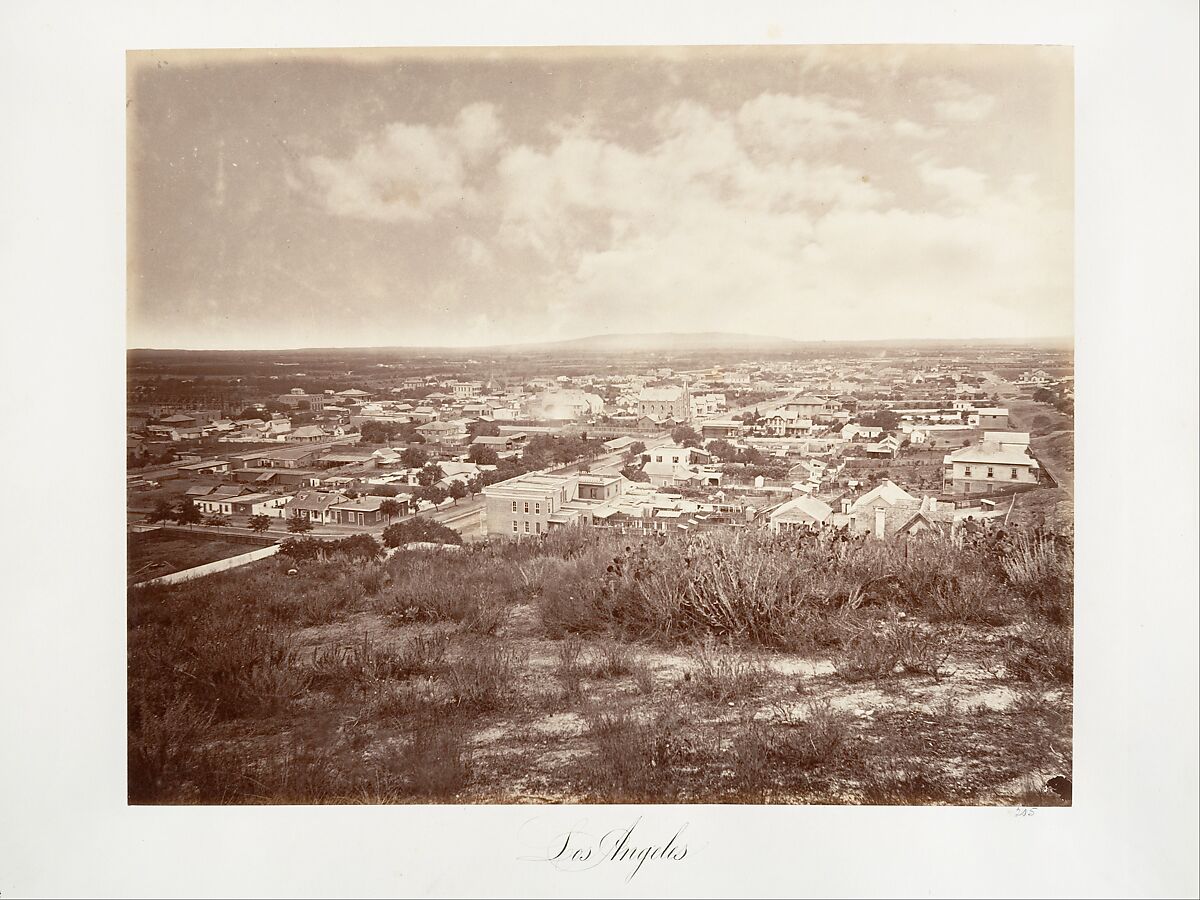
(221, 565)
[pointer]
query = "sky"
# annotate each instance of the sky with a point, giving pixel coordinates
(469, 197)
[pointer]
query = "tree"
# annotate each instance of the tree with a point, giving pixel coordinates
(483, 455)
(685, 436)
(413, 457)
(260, 523)
(430, 473)
(301, 549)
(216, 520)
(458, 490)
(636, 449)
(187, 513)
(419, 530)
(475, 485)
(486, 429)
(633, 473)
(357, 546)
(435, 494)
(163, 510)
(390, 508)
(882, 418)
(297, 525)
(722, 450)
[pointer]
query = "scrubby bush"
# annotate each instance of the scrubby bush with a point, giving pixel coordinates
(431, 586)
(1041, 568)
(638, 760)
(1040, 653)
(419, 531)
(483, 677)
(722, 674)
(892, 647)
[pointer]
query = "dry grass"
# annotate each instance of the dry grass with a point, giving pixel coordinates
(723, 674)
(895, 647)
(256, 686)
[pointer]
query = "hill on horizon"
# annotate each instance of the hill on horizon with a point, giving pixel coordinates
(647, 342)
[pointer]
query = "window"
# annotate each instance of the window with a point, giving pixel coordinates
(537, 509)
(514, 526)
(537, 526)
(514, 506)
(658, 459)
(967, 471)
(1014, 473)
(991, 472)
(526, 507)
(527, 527)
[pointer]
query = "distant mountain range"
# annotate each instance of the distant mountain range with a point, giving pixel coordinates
(661, 342)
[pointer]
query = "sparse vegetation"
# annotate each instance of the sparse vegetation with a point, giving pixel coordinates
(726, 667)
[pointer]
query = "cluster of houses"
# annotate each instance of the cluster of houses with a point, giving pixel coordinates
(318, 507)
(885, 511)
(316, 470)
(537, 503)
(187, 427)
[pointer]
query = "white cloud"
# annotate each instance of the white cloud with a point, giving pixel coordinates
(720, 220)
(695, 227)
(478, 130)
(789, 123)
(958, 183)
(906, 128)
(409, 172)
(474, 252)
(957, 101)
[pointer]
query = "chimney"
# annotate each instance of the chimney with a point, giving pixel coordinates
(880, 523)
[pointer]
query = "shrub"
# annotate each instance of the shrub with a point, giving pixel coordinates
(1040, 653)
(612, 660)
(429, 586)
(301, 549)
(162, 742)
(437, 761)
(722, 674)
(483, 678)
(881, 651)
(570, 669)
(419, 531)
(643, 676)
(1041, 568)
(367, 663)
(636, 760)
(890, 781)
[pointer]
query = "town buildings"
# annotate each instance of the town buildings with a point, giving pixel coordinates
(1002, 459)
(663, 403)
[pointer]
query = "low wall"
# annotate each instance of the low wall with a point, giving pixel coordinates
(221, 565)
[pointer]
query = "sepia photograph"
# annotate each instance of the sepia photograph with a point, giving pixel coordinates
(576, 450)
(656, 425)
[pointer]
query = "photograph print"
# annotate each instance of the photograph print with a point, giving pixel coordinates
(601, 425)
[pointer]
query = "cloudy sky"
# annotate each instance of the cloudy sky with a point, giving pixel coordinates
(471, 197)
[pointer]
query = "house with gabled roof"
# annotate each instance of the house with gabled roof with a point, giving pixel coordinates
(1001, 459)
(799, 512)
(307, 434)
(313, 506)
(364, 511)
(219, 499)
